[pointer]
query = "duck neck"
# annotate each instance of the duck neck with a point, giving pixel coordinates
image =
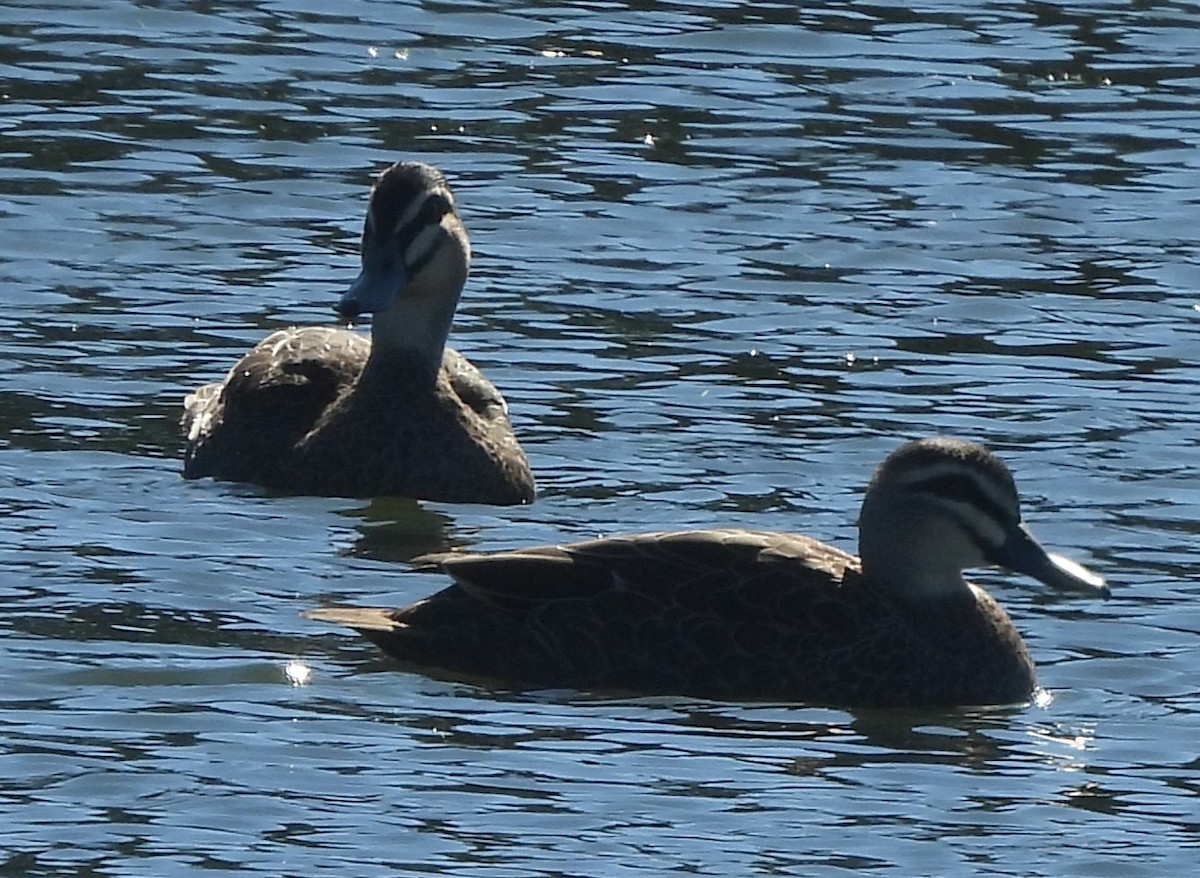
(916, 582)
(411, 334)
(916, 556)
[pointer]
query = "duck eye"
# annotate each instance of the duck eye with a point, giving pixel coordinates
(960, 488)
(435, 207)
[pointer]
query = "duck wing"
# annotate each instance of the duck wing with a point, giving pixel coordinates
(269, 400)
(704, 612)
(296, 372)
(473, 388)
(690, 569)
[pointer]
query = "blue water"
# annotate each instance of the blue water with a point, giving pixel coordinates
(728, 256)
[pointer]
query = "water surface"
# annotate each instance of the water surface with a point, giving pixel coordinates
(728, 256)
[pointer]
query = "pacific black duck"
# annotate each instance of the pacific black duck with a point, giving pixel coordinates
(745, 614)
(326, 411)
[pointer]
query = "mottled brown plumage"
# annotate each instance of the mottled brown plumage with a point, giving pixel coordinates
(324, 410)
(744, 614)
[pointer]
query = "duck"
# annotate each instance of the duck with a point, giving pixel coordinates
(324, 410)
(756, 615)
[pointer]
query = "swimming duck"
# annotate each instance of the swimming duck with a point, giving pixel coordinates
(323, 410)
(745, 614)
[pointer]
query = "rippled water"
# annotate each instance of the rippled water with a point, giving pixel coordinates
(728, 256)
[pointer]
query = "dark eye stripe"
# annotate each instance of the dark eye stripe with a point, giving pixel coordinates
(432, 210)
(964, 489)
(414, 263)
(433, 206)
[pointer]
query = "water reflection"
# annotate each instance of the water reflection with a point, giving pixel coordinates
(396, 529)
(991, 207)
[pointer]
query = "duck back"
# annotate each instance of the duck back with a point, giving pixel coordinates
(309, 411)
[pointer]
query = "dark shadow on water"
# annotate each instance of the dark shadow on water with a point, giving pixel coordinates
(133, 622)
(400, 529)
(976, 738)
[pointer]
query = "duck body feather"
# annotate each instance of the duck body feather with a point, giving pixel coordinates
(718, 613)
(310, 411)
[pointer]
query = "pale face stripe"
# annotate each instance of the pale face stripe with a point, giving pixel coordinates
(985, 510)
(416, 231)
(423, 246)
(417, 206)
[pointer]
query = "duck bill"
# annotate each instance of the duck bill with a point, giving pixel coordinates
(374, 290)
(1024, 554)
